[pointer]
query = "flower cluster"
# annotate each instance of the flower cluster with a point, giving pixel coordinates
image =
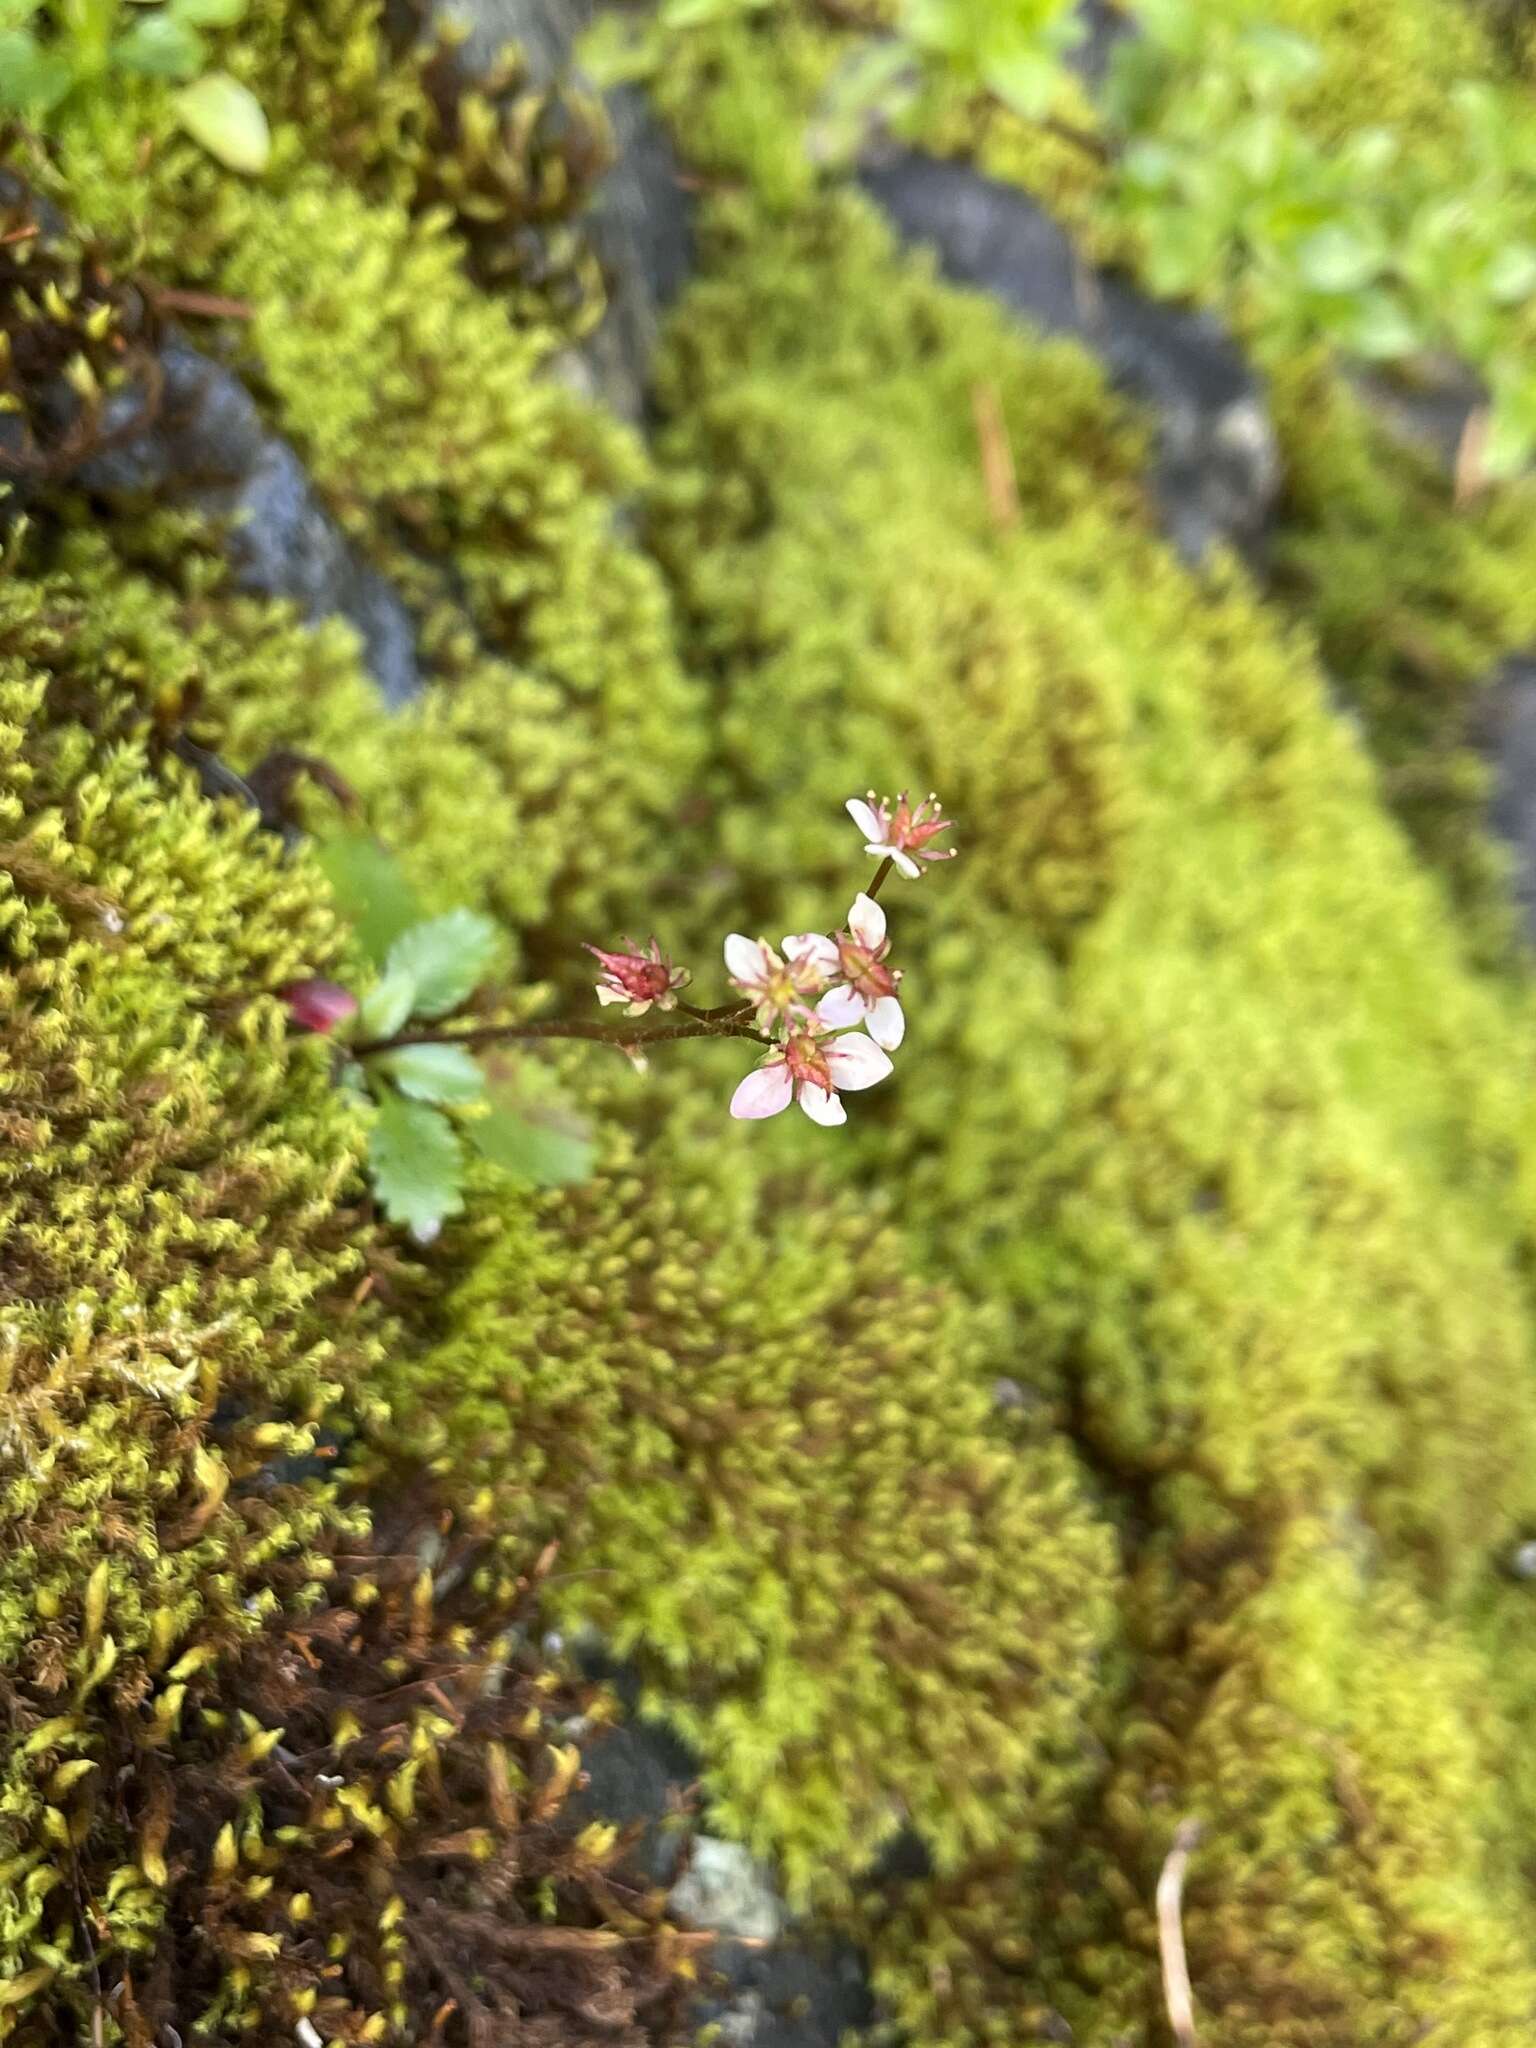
(830, 1004)
(825, 1004)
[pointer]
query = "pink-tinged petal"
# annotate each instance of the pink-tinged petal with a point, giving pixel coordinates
(906, 863)
(885, 1023)
(866, 921)
(856, 1062)
(821, 1107)
(815, 946)
(764, 1092)
(839, 1008)
(318, 1005)
(606, 995)
(743, 958)
(865, 818)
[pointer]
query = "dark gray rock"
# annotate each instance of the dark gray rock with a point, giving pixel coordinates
(203, 444)
(1431, 412)
(1218, 468)
(641, 220)
(1104, 27)
(770, 1981)
(804, 1991)
(640, 1776)
(1508, 737)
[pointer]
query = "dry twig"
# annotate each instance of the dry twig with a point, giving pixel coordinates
(1177, 1995)
(998, 472)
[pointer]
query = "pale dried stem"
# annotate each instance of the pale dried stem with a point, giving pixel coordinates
(1177, 1994)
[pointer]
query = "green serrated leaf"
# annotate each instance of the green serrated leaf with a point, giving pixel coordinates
(226, 118)
(449, 957)
(387, 1004)
(536, 1138)
(436, 1073)
(416, 1164)
(370, 888)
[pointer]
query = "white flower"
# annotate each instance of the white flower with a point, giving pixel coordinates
(901, 838)
(812, 1068)
(776, 987)
(867, 994)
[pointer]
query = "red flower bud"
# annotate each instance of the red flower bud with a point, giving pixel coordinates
(318, 1005)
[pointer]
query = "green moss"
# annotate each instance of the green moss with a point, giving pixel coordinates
(1357, 1876)
(180, 1250)
(771, 1465)
(1415, 600)
(1223, 1153)
(1388, 63)
(1196, 1078)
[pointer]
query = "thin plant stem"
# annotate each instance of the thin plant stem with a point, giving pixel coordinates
(719, 1014)
(565, 1027)
(880, 874)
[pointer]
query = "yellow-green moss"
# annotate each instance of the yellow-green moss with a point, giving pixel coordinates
(1415, 600)
(1196, 1076)
(181, 1258)
(1357, 1876)
(773, 1468)
(1224, 1153)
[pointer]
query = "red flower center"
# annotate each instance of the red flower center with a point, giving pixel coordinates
(807, 1062)
(864, 968)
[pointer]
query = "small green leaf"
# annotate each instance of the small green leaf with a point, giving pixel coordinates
(1379, 328)
(416, 1165)
(226, 118)
(1340, 258)
(32, 80)
(370, 888)
(1511, 437)
(1276, 60)
(352, 1080)
(387, 1004)
(436, 1073)
(1512, 273)
(449, 957)
(1026, 82)
(160, 46)
(534, 1134)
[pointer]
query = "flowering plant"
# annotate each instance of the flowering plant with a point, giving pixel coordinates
(823, 1007)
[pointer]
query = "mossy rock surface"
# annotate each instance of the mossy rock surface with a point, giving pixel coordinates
(1131, 1417)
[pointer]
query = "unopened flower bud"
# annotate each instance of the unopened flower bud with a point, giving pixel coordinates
(638, 977)
(317, 1005)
